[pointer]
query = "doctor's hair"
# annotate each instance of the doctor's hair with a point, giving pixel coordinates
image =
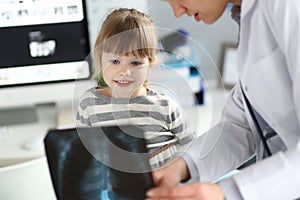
(125, 31)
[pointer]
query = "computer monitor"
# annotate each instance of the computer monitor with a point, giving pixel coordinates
(43, 46)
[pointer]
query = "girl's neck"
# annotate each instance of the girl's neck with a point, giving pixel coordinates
(143, 91)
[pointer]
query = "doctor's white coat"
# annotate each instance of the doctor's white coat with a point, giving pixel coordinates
(269, 66)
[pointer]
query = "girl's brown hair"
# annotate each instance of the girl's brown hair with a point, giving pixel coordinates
(126, 31)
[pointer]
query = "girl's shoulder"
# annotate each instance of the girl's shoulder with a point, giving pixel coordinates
(90, 93)
(94, 92)
(92, 97)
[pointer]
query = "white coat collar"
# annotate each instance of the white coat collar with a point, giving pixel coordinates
(246, 7)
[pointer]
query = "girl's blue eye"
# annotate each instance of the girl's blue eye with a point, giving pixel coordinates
(136, 63)
(115, 62)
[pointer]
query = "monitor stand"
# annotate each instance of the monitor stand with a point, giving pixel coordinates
(65, 115)
(20, 115)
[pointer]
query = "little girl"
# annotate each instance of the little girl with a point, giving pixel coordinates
(124, 53)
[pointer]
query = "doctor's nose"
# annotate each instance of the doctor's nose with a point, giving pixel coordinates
(178, 10)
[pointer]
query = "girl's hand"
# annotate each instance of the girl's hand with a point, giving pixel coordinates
(172, 174)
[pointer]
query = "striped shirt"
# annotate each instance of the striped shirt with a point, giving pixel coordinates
(166, 132)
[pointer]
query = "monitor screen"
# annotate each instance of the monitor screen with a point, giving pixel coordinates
(42, 41)
(44, 45)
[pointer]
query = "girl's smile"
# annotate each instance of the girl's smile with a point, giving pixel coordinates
(123, 83)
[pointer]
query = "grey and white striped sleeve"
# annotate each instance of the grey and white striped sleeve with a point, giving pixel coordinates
(82, 116)
(180, 126)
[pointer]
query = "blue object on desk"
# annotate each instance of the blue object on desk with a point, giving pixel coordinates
(178, 54)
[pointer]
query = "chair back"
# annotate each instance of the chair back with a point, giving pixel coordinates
(29, 180)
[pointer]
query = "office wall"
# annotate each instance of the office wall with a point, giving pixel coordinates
(211, 37)
(98, 9)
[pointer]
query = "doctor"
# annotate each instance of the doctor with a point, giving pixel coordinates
(261, 116)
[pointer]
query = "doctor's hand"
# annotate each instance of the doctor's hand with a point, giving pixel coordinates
(172, 174)
(197, 191)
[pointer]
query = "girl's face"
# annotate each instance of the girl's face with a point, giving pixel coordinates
(125, 75)
(207, 11)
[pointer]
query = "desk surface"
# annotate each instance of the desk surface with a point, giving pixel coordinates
(13, 138)
(203, 117)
